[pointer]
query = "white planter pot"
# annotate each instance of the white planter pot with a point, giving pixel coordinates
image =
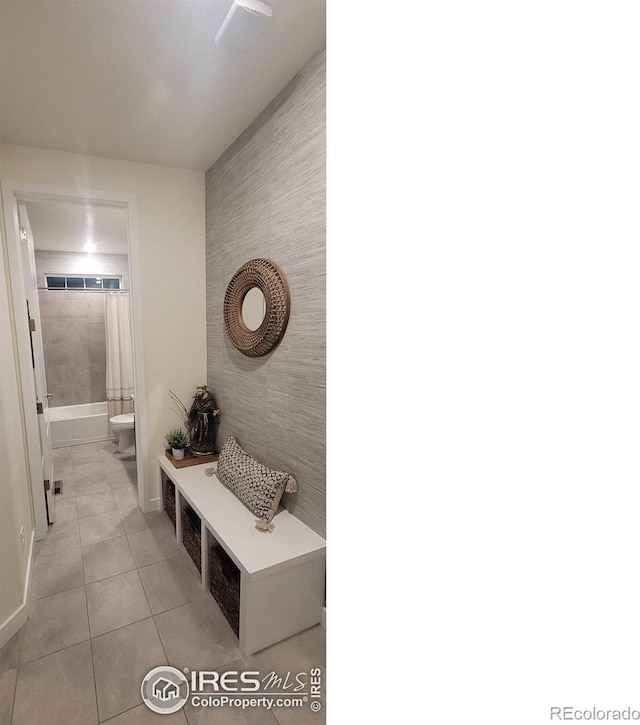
(178, 454)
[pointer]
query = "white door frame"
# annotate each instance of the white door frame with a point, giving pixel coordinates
(12, 193)
(37, 350)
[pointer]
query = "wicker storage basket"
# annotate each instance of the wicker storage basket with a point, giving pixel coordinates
(224, 584)
(191, 535)
(170, 502)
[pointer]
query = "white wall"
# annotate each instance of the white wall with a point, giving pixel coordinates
(15, 495)
(172, 259)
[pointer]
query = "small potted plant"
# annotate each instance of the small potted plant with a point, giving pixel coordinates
(178, 441)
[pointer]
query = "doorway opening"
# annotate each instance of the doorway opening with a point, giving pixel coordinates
(88, 241)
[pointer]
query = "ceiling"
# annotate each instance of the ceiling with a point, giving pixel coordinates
(142, 80)
(66, 227)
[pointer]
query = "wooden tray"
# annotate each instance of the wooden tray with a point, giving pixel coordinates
(191, 460)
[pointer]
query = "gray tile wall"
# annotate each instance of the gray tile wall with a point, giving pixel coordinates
(73, 327)
(265, 197)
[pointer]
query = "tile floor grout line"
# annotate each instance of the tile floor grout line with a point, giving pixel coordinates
(124, 536)
(145, 592)
(15, 689)
(116, 629)
(113, 717)
(93, 670)
(95, 683)
(155, 624)
(55, 652)
(111, 576)
(109, 631)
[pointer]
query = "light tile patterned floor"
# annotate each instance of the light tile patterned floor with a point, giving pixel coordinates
(113, 595)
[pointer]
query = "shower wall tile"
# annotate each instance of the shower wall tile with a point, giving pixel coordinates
(78, 335)
(96, 333)
(94, 305)
(52, 305)
(97, 391)
(265, 197)
(53, 329)
(57, 354)
(73, 394)
(73, 327)
(79, 371)
(97, 354)
(60, 375)
(79, 304)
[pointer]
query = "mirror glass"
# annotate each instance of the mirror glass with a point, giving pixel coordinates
(253, 308)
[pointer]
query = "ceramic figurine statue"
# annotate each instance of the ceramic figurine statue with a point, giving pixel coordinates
(203, 418)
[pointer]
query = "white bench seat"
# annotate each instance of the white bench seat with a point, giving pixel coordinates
(281, 572)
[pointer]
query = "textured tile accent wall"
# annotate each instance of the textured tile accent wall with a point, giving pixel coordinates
(265, 197)
(73, 327)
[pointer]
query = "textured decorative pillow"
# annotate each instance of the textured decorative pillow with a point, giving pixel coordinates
(258, 487)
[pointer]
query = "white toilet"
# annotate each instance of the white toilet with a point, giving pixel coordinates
(124, 426)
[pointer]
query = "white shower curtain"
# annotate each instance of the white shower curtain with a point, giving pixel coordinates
(119, 354)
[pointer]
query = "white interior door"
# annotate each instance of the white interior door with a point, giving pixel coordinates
(37, 358)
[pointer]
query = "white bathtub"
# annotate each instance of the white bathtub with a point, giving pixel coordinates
(75, 424)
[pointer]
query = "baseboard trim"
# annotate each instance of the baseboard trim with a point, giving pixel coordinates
(155, 504)
(19, 618)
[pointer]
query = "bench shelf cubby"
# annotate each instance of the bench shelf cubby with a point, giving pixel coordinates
(269, 586)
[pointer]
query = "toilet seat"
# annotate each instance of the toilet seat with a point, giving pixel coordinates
(125, 420)
(124, 426)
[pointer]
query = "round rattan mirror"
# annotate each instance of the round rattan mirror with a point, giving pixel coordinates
(269, 279)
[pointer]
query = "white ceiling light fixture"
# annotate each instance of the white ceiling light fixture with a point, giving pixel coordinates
(244, 23)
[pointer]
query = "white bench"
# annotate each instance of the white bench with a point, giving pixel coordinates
(282, 573)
